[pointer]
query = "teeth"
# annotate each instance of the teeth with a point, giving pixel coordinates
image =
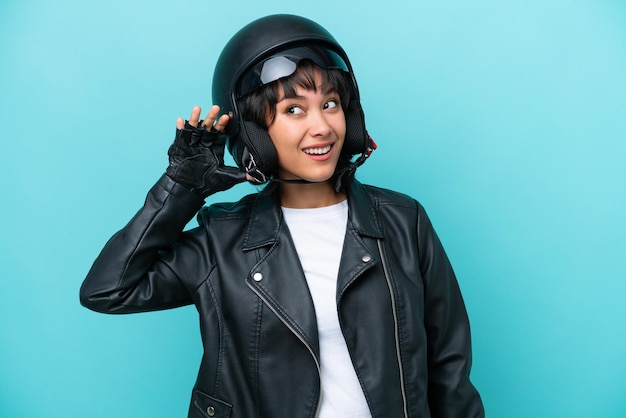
(317, 151)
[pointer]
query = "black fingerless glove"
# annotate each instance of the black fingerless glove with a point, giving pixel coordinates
(197, 161)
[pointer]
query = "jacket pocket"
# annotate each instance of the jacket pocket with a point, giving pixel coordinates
(208, 406)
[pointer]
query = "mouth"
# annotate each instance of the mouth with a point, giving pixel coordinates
(318, 150)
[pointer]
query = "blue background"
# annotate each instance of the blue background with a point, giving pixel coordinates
(506, 119)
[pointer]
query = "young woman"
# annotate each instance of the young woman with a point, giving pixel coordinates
(318, 296)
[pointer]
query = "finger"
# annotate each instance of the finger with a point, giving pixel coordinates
(180, 124)
(195, 116)
(222, 122)
(210, 117)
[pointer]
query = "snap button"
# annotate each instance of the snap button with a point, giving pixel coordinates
(257, 277)
(211, 411)
(366, 258)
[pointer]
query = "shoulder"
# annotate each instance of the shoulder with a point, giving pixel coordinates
(382, 197)
(377, 209)
(229, 210)
(401, 215)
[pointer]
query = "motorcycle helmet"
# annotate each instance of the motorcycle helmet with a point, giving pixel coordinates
(263, 52)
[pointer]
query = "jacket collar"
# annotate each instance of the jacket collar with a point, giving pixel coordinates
(266, 217)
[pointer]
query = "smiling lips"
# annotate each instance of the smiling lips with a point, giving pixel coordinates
(318, 150)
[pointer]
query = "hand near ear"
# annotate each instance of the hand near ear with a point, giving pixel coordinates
(197, 155)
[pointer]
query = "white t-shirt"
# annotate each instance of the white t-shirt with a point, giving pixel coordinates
(318, 236)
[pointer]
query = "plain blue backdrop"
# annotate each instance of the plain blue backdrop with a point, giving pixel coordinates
(506, 119)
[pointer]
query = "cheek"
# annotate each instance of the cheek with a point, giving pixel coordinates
(274, 133)
(280, 138)
(340, 128)
(284, 132)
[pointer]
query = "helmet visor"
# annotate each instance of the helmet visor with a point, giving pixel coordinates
(284, 63)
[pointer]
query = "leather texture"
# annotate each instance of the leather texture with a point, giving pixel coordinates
(196, 160)
(400, 308)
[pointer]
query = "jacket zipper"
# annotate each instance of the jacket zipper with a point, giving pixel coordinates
(395, 321)
(317, 364)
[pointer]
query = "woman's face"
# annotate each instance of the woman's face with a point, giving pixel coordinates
(308, 132)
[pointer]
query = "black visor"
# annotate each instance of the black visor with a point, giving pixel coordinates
(284, 63)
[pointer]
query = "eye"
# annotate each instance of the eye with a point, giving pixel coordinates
(331, 104)
(294, 110)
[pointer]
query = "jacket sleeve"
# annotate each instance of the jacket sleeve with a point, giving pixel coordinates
(135, 270)
(450, 392)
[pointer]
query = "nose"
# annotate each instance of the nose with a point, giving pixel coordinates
(319, 124)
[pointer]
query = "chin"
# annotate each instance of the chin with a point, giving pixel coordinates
(320, 178)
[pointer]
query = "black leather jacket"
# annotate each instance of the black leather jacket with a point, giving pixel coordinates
(400, 308)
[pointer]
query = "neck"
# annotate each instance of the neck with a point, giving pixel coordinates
(311, 195)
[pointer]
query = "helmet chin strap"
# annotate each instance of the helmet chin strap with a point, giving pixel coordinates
(297, 181)
(339, 178)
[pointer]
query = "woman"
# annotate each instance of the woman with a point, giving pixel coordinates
(318, 296)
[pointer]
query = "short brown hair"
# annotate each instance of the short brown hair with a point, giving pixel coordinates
(260, 105)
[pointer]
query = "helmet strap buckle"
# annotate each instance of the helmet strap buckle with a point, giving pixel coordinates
(253, 170)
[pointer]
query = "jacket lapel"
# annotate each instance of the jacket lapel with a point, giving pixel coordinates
(359, 249)
(356, 259)
(277, 277)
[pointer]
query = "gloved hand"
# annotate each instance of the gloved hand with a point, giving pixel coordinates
(197, 156)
